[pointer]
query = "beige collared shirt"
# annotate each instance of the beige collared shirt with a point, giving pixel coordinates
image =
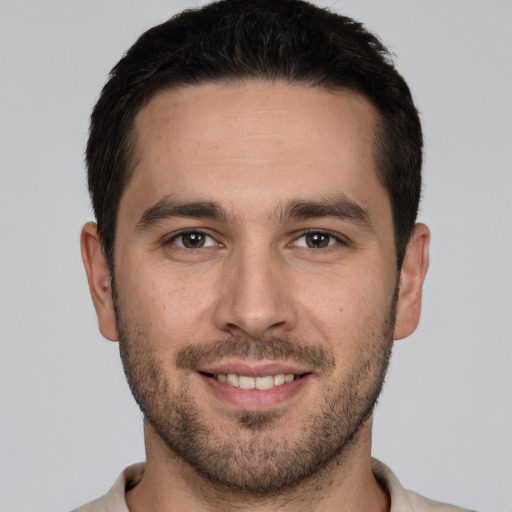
(401, 499)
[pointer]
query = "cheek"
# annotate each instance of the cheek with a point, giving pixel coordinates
(347, 305)
(169, 304)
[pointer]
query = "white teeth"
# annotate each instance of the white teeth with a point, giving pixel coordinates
(245, 382)
(265, 382)
(262, 383)
(279, 379)
(232, 379)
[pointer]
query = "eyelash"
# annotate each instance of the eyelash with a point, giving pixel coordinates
(339, 241)
(171, 241)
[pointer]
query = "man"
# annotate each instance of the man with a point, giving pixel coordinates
(254, 168)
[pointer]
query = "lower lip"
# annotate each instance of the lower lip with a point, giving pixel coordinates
(255, 399)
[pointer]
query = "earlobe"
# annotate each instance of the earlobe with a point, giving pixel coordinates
(98, 276)
(412, 276)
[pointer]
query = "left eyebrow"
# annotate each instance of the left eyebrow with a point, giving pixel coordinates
(339, 207)
(168, 208)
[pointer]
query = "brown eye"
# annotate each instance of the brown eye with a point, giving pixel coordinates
(192, 240)
(318, 240)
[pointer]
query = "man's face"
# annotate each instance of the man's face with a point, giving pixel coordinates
(254, 248)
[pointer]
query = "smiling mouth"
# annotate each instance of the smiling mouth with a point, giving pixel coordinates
(247, 382)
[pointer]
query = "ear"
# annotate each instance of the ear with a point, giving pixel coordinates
(412, 275)
(98, 276)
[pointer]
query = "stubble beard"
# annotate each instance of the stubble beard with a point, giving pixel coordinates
(257, 460)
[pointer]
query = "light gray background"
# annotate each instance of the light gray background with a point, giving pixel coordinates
(68, 423)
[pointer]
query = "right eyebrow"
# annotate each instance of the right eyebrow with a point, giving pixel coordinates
(168, 208)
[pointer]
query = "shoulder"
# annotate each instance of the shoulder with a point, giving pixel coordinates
(114, 500)
(403, 500)
(99, 505)
(420, 504)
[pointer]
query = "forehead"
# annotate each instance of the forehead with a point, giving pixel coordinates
(254, 142)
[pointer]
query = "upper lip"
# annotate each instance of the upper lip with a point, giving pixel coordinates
(255, 368)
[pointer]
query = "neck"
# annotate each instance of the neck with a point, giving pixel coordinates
(346, 484)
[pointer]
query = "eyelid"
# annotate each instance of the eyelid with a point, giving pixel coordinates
(340, 239)
(171, 239)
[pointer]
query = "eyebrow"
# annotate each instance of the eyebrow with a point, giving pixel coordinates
(339, 207)
(168, 208)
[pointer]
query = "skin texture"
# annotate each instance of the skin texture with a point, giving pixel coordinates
(275, 284)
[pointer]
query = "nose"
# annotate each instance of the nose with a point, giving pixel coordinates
(254, 300)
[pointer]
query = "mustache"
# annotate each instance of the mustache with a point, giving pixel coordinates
(315, 356)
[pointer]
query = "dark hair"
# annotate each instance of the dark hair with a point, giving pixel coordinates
(288, 41)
